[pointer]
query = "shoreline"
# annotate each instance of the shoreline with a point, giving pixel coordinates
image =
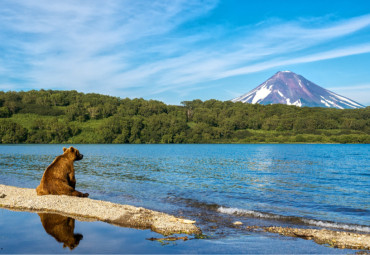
(86, 209)
(207, 143)
(332, 238)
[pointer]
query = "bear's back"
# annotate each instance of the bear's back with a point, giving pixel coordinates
(59, 168)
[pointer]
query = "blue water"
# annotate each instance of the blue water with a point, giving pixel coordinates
(300, 185)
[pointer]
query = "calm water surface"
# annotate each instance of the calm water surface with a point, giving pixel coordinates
(285, 185)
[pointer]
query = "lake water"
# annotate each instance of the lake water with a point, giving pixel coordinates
(284, 185)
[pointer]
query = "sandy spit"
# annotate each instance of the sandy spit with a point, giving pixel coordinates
(24, 199)
(336, 239)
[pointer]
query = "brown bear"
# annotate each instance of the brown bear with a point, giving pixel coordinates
(61, 228)
(59, 177)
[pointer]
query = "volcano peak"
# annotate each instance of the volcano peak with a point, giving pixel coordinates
(287, 87)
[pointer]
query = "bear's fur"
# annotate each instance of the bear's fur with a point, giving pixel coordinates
(61, 228)
(59, 177)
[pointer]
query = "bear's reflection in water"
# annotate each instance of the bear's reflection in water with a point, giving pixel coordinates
(61, 228)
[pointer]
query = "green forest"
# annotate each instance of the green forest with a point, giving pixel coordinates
(51, 116)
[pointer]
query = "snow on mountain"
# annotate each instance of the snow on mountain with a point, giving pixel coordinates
(286, 87)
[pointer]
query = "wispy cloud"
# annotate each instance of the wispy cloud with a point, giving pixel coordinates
(76, 42)
(352, 87)
(142, 48)
(330, 54)
(357, 92)
(248, 52)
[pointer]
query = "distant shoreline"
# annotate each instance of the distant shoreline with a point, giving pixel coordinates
(3, 144)
(53, 116)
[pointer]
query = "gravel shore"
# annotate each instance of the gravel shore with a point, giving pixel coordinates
(86, 209)
(335, 239)
(24, 199)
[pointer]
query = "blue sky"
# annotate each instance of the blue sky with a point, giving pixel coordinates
(180, 50)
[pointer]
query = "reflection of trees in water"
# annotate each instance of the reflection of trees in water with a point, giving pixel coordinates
(61, 228)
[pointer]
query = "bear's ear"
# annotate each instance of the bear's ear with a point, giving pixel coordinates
(71, 149)
(64, 149)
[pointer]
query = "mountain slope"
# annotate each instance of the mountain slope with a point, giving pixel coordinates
(286, 87)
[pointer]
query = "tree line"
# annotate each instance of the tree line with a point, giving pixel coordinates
(52, 116)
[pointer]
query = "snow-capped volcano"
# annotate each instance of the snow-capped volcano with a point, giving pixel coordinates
(286, 87)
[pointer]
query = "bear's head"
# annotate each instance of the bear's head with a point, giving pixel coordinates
(73, 153)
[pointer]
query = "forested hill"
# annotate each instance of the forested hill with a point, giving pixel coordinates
(72, 117)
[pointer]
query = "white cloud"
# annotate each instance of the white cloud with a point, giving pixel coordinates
(337, 53)
(336, 29)
(357, 92)
(6, 87)
(73, 44)
(139, 48)
(354, 87)
(244, 55)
